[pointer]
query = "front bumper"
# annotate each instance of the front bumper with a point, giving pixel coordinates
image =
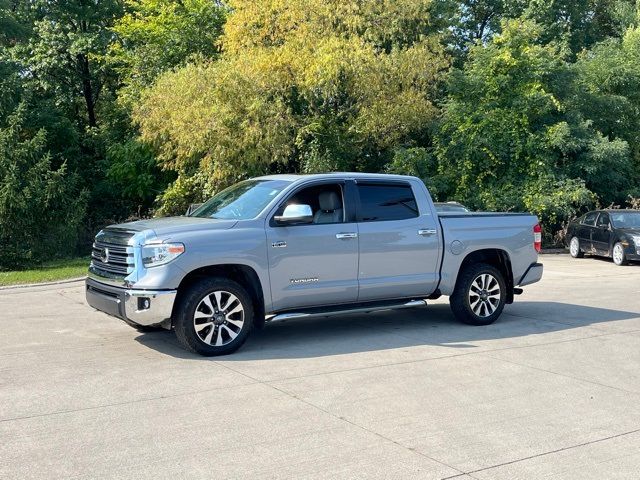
(141, 307)
(532, 275)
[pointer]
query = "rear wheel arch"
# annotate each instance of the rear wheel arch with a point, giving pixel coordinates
(244, 275)
(495, 257)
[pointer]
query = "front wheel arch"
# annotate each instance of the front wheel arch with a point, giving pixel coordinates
(245, 275)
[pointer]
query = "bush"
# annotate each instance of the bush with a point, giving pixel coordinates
(41, 207)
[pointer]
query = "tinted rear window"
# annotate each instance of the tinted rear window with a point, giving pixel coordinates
(386, 202)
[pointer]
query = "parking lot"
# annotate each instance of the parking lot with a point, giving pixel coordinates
(552, 390)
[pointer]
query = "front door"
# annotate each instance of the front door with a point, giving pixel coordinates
(317, 263)
(399, 244)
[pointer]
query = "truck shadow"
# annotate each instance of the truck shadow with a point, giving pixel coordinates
(434, 326)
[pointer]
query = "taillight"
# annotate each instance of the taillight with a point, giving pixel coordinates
(537, 237)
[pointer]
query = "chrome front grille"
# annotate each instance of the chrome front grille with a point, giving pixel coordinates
(111, 254)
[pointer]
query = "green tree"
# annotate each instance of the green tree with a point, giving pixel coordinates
(41, 207)
(609, 79)
(157, 35)
(580, 23)
(63, 55)
(511, 134)
(301, 86)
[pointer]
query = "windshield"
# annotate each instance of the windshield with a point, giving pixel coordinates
(625, 219)
(241, 201)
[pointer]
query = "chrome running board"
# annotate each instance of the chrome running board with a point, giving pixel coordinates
(344, 309)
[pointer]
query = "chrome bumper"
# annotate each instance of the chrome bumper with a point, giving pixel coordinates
(532, 275)
(141, 307)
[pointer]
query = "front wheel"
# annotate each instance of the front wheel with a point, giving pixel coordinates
(618, 255)
(215, 317)
(479, 296)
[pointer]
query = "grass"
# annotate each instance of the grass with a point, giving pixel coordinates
(47, 272)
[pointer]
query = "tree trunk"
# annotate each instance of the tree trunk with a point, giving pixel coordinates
(87, 88)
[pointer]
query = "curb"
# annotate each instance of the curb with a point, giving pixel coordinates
(43, 284)
(553, 251)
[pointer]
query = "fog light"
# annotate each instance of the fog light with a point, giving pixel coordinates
(143, 303)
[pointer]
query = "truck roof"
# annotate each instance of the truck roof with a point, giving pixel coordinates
(294, 177)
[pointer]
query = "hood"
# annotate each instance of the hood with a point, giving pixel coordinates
(164, 227)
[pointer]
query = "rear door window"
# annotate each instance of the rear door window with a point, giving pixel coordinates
(603, 220)
(590, 219)
(382, 202)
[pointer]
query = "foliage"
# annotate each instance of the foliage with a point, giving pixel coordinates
(133, 170)
(301, 86)
(40, 207)
(154, 36)
(133, 107)
(62, 55)
(511, 139)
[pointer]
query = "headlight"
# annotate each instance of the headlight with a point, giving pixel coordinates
(160, 254)
(636, 240)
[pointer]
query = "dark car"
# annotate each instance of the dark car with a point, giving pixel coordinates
(608, 233)
(454, 207)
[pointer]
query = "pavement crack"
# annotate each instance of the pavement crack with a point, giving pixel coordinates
(550, 452)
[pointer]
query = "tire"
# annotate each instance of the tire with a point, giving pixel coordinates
(214, 317)
(617, 253)
(470, 300)
(574, 248)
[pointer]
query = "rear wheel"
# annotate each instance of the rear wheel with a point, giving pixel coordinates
(479, 296)
(574, 248)
(215, 317)
(618, 255)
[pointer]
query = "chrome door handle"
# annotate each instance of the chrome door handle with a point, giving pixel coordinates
(346, 235)
(427, 231)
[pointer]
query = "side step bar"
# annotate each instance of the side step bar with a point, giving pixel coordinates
(345, 309)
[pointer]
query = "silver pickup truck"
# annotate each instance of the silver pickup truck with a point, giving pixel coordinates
(289, 246)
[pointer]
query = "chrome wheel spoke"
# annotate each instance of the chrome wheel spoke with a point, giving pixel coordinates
(201, 326)
(237, 323)
(231, 299)
(237, 308)
(207, 301)
(218, 297)
(219, 337)
(474, 305)
(209, 336)
(229, 331)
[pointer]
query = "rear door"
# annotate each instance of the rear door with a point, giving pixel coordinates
(601, 236)
(584, 230)
(313, 264)
(399, 244)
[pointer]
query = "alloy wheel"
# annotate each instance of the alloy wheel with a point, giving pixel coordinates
(618, 254)
(218, 318)
(574, 247)
(484, 295)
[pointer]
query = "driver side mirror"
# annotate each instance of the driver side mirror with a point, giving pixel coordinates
(295, 214)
